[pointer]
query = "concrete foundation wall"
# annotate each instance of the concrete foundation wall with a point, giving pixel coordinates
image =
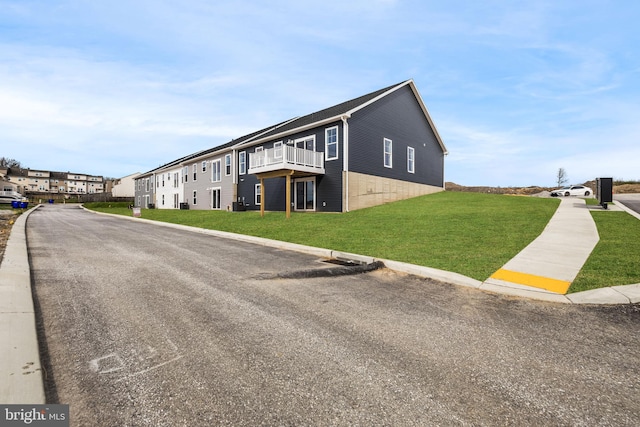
(368, 190)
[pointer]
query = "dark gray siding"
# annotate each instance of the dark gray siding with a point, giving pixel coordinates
(398, 117)
(328, 186)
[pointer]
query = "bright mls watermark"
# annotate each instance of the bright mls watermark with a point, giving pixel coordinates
(34, 415)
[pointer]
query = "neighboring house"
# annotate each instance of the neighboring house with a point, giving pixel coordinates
(33, 182)
(125, 186)
(8, 190)
(374, 149)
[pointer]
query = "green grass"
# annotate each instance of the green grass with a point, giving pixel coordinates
(468, 233)
(616, 258)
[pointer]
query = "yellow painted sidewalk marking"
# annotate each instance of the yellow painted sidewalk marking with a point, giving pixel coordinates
(553, 285)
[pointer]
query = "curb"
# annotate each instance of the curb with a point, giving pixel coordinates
(20, 370)
(627, 294)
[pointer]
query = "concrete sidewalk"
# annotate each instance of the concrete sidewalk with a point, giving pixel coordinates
(546, 268)
(20, 371)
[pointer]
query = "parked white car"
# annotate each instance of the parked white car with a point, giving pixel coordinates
(574, 190)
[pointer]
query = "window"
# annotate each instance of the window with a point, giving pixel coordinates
(215, 198)
(227, 164)
(146, 185)
(388, 155)
(258, 194)
(331, 143)
(163, 182)
(195, 167)
(259, 149)
(204, 166)
(163, 200)
(195, 197)
(242, 162)
(215, 170)
(277, 150)
(185, 173)
(175, 180)
(411, 160)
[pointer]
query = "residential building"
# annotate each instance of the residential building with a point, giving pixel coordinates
(374, 149)
(125, 186)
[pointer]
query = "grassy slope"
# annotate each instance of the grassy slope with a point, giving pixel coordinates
(468, 233)
(616, 258)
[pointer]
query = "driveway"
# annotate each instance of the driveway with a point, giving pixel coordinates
(144, 325)
(632, 201)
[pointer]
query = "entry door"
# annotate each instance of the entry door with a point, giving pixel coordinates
(305, 194)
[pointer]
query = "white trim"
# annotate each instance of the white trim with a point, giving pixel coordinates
(411, 160)
(345, 159)
(216, 165)
(228, 156)
(326, 143)
(384, 152)
(277, 146)
(219, 190)
(240, 164)
(295, 194)
(255, 194)
(304, 139)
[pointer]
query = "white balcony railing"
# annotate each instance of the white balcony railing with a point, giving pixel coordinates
(287, 157)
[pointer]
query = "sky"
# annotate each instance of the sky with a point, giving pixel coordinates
(516, 89)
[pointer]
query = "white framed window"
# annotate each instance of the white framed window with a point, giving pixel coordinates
(216, 166)
(258, 194)
(277, 150)
(146, 185)
(195, 197)
(195, 167)
(411, 160)
(227, 164)
(242, 162)
(185, 174)
(331, 143)
(215, 198)
(388, 153)
(175, 180)
(163, 200)
(204, 166)
(259, 149)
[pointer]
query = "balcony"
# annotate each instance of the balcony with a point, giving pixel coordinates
(287, 158)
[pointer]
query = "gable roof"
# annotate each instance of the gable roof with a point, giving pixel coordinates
(297, 124)
(345, 109)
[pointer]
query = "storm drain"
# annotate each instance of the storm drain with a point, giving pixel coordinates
(342, 268)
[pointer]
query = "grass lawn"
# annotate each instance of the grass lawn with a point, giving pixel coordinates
(469, 233)
(616, 258)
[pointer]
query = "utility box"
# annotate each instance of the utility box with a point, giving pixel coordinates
(604, 191)
(184, 206)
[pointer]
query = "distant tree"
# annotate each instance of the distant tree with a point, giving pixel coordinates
(562, 177)
(9, 163)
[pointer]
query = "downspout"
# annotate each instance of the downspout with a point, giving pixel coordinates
(345, 157)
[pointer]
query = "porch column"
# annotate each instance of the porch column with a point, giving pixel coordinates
(288, 196)
(262, 198)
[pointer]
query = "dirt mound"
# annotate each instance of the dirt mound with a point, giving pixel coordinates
(626, 188)
(523, 191)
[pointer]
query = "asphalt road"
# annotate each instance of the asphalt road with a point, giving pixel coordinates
(143, 325)
(632, 201)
